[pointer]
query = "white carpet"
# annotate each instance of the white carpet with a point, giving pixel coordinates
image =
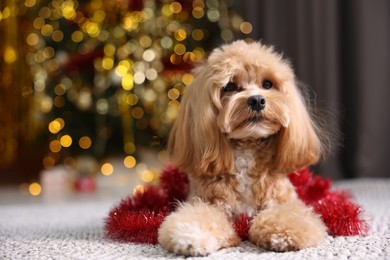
(73, 230)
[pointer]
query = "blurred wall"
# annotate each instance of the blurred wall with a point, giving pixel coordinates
(341, 49)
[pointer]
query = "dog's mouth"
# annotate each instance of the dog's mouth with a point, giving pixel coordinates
(253, 120)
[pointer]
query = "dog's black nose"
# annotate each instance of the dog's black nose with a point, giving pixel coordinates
(256, 103)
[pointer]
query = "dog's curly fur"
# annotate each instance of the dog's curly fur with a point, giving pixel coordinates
(243, 126)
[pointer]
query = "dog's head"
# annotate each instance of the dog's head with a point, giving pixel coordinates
(244, 91)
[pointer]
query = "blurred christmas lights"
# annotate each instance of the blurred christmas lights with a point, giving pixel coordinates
(35, 189)
(99, 64)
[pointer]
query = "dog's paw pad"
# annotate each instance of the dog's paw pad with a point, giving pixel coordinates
(189, 239)
(281, 243)
(199, 244)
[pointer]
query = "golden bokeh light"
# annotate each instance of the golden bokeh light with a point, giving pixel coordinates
(48, 162)
(166, 10)
(55, 146)
(32, 39)
(109, 49)
(175, 59)
(57, 36)
(107, 63)
(180, 35)
(199, 54)
(107, 169)
(60, 89)
(188, 57)
(132, 99)
(139, 77)
(198, 12)
(246, 28)
(179, 49)
(129, 162)
(123, 67)
(145, 41)
(10, 55)
(127, 81)
(66, 140)
(151, 74)
(35, 189)
(77, 36)
(175, 7)
(166, 42)
(85, 142)
(173, 93)
(198, 3)
(47, 30)
(213, 15)
(59, 101)
(38, 23)
(30, 3)
(99, 15)
(173, 109)
(44, 12)
(149, 55)
(92, 29)
(147, 176)
(187, 78)
(68, 9)
(137, 112)
(197, 34)
(54, 127)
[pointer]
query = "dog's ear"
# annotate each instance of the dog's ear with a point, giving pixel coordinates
(196, 144)
(299, 144)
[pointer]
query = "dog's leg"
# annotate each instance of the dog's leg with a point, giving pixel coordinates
(196, 229)
(287, 227)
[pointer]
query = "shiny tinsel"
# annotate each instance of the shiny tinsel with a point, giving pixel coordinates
(137, 219)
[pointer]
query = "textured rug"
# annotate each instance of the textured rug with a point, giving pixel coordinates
(73, 229)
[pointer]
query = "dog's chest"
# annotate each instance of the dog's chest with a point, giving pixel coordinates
(244, 162)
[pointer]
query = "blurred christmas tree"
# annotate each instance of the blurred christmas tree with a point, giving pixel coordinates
(20, 119)
(109, 74)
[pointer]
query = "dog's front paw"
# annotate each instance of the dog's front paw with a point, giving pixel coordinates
(287, 227)
(279, 241)
(282, 242)
(188, 239)
(196, 230)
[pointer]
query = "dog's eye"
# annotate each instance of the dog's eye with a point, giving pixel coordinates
(230, 86)
(267, 84)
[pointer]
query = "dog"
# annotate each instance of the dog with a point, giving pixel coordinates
(242, 126)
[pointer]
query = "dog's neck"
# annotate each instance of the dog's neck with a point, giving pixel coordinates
(262, 150)
(265, 144)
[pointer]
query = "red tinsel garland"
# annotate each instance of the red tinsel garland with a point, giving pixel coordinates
(137, 219)
(339, 213)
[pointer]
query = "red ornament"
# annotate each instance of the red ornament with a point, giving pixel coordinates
(82, 62)
(85, 184)
(137, 219)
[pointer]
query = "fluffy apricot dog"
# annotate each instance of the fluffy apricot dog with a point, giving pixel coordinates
(243, 126)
